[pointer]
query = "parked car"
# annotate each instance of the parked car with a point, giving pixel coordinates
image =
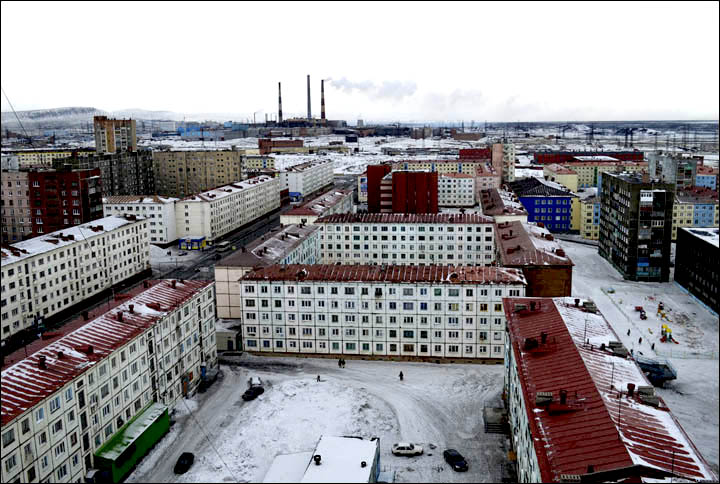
(184, 462)
(406, 448)
(254, 381)
(182, 253)
(456, 460)
(252, 393)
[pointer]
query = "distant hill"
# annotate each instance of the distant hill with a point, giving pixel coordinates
(80, 117)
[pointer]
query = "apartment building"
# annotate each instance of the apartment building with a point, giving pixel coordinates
(590, 217)
(545, 201)
(122, 173)
(534, 250)
(66, 404)
(114, 135)
(466, 166)
(694, 207)
(16, 220)
(63, 198)
(589, 169)
(183, 173)
(434, 311)
(456, 190)
(362, 188)
(697, 264)
(567, 373)
(257, 162)
(158, 211)
(407, 239)
(503, 159)
(548, 157)
(44, 158)
(331, 202)
(672, 168)
(707, 176)
(636, 225)
(562, 175)
(9, 161)
(294, 244)
(306, 179)
(215, 213)
(48, 276)
(502, 206)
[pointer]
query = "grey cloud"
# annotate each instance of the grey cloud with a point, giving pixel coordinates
(394, 90)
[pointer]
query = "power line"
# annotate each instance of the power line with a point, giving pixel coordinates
(16, 116)
(209, 442)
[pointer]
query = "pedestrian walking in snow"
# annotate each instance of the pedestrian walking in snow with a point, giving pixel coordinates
(401, 376)
(628, 332)
(339, 362)
(640, 340)
(318, 378)
(652, 346)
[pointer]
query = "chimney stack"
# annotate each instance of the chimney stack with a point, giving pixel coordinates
(279, 104)
(309, 110)
(322, 99)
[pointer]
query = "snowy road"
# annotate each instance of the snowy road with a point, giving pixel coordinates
(435, 404)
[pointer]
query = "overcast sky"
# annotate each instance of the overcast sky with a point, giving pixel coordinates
(418, 61)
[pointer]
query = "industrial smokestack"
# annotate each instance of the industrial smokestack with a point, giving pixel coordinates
(309, 111)
(322, 99)
(279, 104)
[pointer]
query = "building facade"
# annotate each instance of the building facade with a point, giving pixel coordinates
(437, 311)
(114, 135)
(407, 239)
(503, 159)
(549, 157)
(45, 158)
(707, 177)
(694, 207)
(502, 206)
(63, 198)
(562, 175)
(158, 211)
(215, 213)
(696, 265)
(556, 389)
(294, 244)
(90, 384)
(546, 202)
(122, 173)
(590, 218)
(636, 226)
(456, 190)
(307, 178)
(47, 276)
(672, 168)
(16, 219)
(183, 173)
(589, 169)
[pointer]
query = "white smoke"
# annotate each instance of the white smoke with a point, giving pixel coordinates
(395, 90)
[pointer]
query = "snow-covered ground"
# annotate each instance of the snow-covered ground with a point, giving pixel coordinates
(693, 397)
(436, 406)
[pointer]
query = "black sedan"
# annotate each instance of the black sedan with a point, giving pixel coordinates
(184, 462)
(456, 461)
(252, 393)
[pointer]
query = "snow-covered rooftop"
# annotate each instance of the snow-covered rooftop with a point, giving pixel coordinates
(341, 460)
(269, 250)
(595, 158)
(527, 244)
(632, 436)
(142, 199)
(710, 235)
(224, 191)
(18, 251)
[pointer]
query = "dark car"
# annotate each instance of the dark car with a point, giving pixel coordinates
(252, 393)
(456, 461)
(184, 462)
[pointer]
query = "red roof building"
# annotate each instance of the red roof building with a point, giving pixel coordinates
(580, 408)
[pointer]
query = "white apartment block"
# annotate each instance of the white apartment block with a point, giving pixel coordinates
(407, 239)
(50, 273)
(306, 178)
(159, 212)
(62, 403)
(334, 201)
(295, 244)
(456, 190)
(214, 213)
(435, 311)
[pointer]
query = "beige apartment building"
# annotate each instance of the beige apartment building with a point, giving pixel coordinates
(38, 158)
(114, 135)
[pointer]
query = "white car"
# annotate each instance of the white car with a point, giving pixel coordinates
(406, 448)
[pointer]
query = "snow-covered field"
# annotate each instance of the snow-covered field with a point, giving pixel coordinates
(693, 397)
(436, 406)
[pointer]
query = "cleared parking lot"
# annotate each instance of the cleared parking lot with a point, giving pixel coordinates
(436, 406)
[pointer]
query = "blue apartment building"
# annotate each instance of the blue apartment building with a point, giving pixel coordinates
(545, 202)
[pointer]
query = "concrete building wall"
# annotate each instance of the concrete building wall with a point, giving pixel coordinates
(114, 135)
(160, 214)
(183, 173)
(16, 219)
(408, 319)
